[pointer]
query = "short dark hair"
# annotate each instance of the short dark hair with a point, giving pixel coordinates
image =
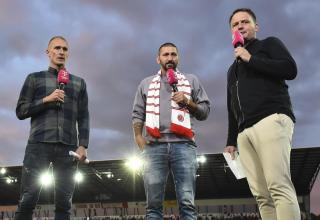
(57, 37)
(167, 44)
(248, 10)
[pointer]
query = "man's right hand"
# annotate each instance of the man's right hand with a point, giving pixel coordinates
(56, 96)
(141, 141)
(231, 150)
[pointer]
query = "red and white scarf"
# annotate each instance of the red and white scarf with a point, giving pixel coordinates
(180, 117)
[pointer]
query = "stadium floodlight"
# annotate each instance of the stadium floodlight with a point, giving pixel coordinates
(134, 164)
(201, 159)
(46, 179)
(10, 180)
(3, 170)
(78, 177)
(110, 175)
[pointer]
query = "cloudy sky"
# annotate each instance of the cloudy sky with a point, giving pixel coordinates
(113, 45)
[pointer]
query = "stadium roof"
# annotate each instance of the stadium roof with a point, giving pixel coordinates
(111, 181)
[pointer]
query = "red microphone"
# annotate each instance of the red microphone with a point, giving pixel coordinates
(237, 39)
(172, 80)
(63, 79)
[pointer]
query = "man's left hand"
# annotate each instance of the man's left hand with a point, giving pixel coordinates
(82, 152)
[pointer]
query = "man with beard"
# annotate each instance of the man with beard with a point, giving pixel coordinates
(167, 144)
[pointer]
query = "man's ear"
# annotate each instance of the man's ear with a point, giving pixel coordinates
(256, 27)
(158, 60)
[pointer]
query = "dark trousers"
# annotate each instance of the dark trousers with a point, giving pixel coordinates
(36, 161)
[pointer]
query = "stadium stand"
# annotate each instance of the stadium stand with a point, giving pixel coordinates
(111, 191)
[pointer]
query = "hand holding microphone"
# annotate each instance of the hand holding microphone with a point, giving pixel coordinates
(178, 97)
(56, 96)
(77, 156)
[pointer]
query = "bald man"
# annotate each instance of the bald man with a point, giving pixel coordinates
(59, 124)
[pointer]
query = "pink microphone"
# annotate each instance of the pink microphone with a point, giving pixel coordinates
(63, 79)
(237, 39)
(172, 80)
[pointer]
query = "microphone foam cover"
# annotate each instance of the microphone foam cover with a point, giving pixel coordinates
(237, 39)
(63, 76)
(171, 76)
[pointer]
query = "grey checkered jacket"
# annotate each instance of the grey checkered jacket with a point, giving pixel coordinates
(50, 123)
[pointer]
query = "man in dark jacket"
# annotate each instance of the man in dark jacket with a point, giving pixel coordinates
(59, 124)
(260, 116)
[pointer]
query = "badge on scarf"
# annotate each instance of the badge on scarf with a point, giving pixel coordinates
(180, 118)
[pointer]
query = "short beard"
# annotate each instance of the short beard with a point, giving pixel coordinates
(169, 65)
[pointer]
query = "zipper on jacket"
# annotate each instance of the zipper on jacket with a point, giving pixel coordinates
(240, 108)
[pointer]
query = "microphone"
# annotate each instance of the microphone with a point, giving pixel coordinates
(172, 80)
(63, 79)
(237, 39)
(77, 156)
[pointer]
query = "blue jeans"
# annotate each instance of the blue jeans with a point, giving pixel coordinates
(159, 160)
(36, 160)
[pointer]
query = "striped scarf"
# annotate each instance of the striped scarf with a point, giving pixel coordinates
(180, 117)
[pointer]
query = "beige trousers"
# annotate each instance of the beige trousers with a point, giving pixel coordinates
(265, 155)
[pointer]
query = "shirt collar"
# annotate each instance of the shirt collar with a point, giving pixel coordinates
(249, 42)
(52, 70)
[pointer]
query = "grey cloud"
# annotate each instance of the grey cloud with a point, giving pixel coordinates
(114, 45)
